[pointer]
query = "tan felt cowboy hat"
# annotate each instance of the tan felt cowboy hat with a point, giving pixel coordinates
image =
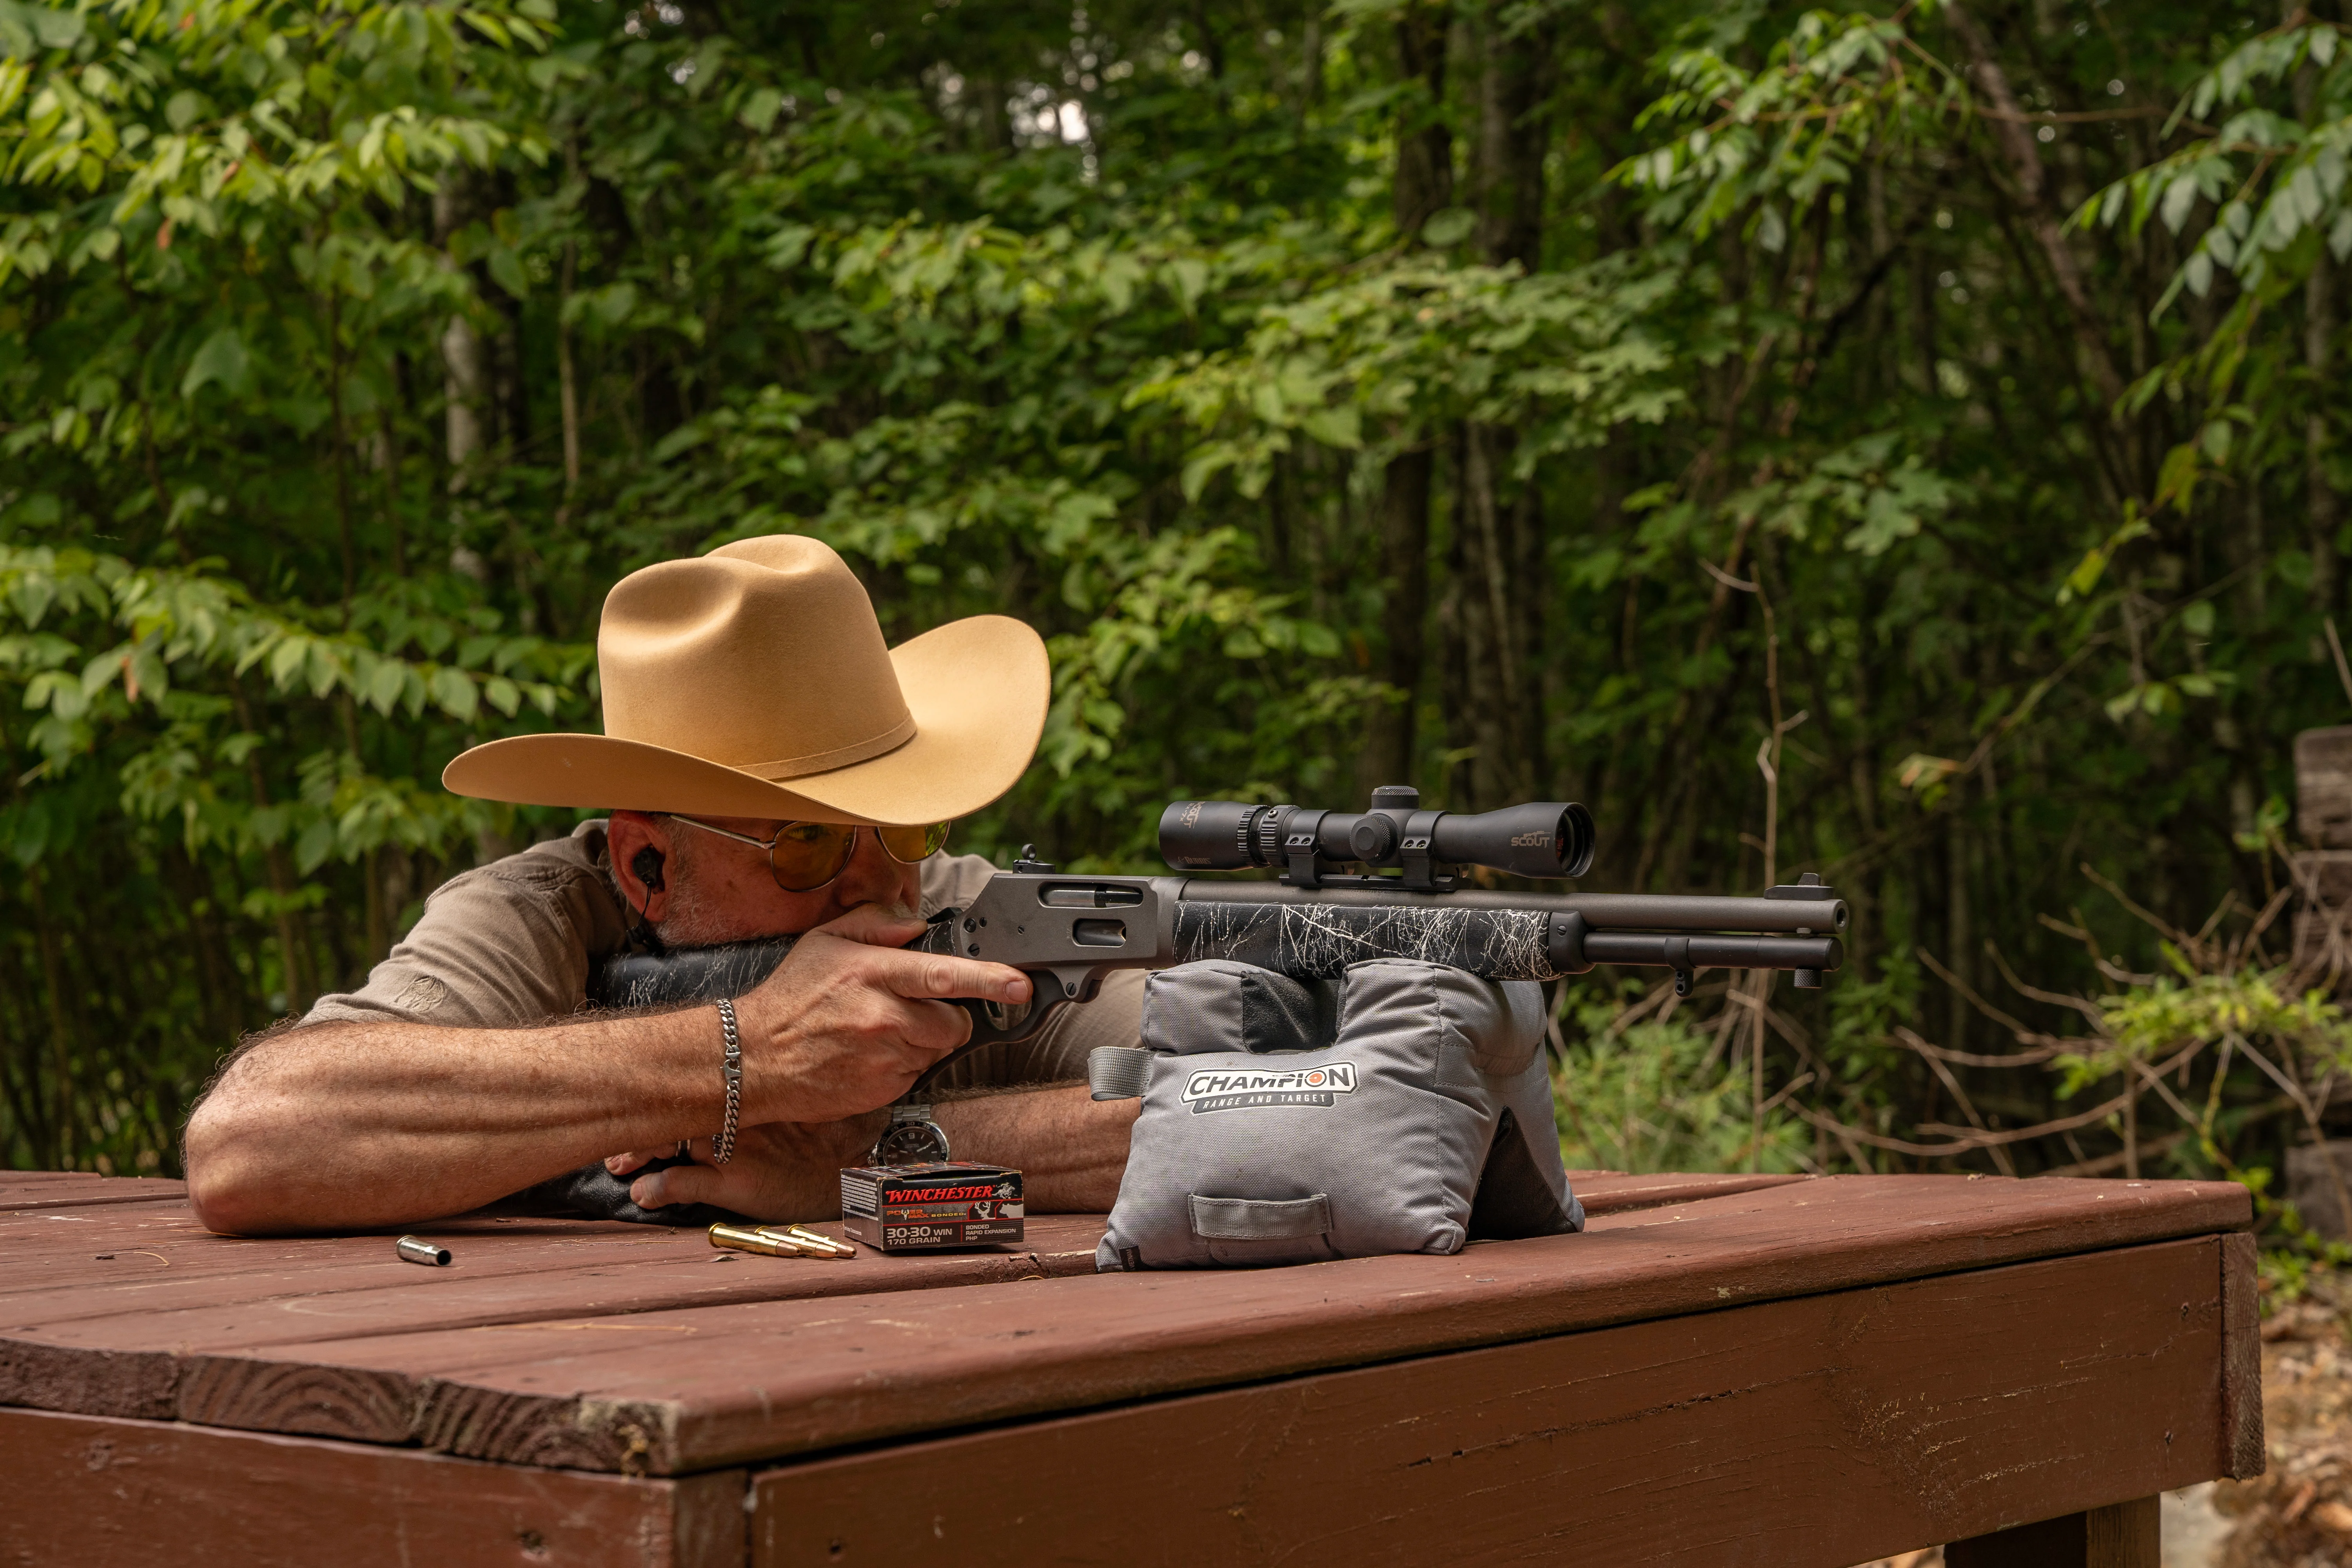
(753, 681)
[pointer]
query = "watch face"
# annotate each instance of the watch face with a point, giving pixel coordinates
(911, 1143)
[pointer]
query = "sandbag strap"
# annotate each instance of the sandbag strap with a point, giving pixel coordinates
(1259, 1219)
(1117, 1072)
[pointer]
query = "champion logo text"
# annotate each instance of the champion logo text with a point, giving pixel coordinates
(1249, 1088)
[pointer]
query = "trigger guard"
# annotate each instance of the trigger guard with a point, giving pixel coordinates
(985, 1030)
(985, 1033)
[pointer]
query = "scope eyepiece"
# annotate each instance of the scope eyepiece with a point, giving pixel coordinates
(1543, 838)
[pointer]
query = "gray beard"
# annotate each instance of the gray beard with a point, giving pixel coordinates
(693, 921)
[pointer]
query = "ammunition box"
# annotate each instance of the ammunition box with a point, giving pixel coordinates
(932, 1207)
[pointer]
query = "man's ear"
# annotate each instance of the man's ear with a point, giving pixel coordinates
(641, 853)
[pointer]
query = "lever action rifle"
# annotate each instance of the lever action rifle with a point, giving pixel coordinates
(1065, 932)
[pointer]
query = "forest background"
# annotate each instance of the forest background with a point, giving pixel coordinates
(1903, 443)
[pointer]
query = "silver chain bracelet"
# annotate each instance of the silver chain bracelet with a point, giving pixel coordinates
(723, 1144)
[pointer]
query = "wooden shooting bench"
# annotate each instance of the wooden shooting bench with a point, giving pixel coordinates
(1723, 1369)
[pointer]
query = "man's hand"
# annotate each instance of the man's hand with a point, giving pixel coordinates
(781, 1172)
(850, 1019)
(1071, 1149)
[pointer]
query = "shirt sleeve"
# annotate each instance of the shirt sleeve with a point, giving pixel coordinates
(506, 945)
(951, 881)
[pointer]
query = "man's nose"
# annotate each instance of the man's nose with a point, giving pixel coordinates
(871, 876)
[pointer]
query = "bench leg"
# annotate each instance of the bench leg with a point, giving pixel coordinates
(2121, 1535)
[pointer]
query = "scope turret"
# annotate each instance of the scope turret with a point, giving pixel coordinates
(1543, 838)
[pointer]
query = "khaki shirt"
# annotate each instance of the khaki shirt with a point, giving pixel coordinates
(513, 945)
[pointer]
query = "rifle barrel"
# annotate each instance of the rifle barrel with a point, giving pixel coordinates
(1602, 912)
(1316, 936)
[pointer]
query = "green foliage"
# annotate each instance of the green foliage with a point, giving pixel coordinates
(1662, 1097)
(1561, 413)
(2247, 1010)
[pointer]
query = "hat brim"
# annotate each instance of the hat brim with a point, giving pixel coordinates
(978, 689)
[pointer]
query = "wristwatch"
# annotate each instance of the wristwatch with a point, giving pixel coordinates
(911, 1139)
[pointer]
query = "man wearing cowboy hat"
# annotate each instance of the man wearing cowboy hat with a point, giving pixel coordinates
(771, 768)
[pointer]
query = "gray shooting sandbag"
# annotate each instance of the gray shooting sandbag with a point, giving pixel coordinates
(1405, 1110)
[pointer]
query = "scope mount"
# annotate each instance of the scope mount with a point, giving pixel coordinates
(1306, 865)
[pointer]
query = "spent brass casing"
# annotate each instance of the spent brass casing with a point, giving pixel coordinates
(747, 1238)
(417, 1249)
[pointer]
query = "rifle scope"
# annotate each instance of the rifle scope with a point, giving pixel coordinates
(1543, 838)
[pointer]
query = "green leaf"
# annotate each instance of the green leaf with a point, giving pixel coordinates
(382, 686)
(2180, 197)
(312, 846)
(759, 110)
(1447, 228)
(454, 692)
(506, 271)
(1340, 427)
(223, 358)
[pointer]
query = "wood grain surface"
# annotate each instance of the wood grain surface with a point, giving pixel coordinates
(2242, 1331)
(73, 1189)
(98, 1311)
(1976, 1352)
(149, 1262)
(96, 1492)
(675, 1389)
(1805, 1433)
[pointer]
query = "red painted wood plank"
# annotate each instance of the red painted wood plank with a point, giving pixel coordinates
(1616, 1193)
(100, 1313)
(22, 1190)
(684, 1390)
(91, 1492)
(1806, 1434)
(2242, 1302)
(137, 1262)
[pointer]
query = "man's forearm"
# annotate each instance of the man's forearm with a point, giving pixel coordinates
(1069, 1147)
(365, 1123)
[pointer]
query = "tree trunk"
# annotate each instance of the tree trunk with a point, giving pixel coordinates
(1405, 613)
(1424, 182)
(293, 956)
(1496, 594)
(568, 382)
(62, 1017)
(464, 380)
(1424, 176)
(1515, 72)
(342, 433)
(2323, 506)
(1959, 931)
(2015, 139)
(1498, 526)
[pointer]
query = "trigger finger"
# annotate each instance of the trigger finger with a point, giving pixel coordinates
(937, 1026)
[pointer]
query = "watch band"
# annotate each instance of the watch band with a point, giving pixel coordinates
(722, 1144)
